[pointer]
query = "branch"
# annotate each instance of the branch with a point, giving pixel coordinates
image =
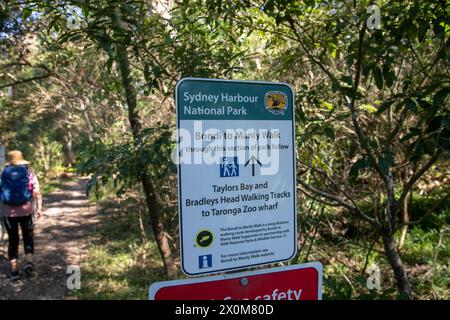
(255, 27)
(331, 181)
(314, 236)
(13, 64)
(430, 211)
(416, 176)
(17, 82)
(398, 126)
(351, 105)
(368, 256)
(423, 69)
(327, 195)
(339, 200)
(317, 199)
(306, 50)
(445, 47)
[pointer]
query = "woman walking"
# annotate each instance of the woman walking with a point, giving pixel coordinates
(20, 199)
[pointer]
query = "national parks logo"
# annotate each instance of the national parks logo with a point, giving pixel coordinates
(276, 102)
(204, 238)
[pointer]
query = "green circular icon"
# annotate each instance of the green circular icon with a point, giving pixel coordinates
(204, 238)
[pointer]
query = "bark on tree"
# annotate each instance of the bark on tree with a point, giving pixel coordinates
(390, 249)
(43, 156)
(396, 263)
(405, 222)
(86, 117)
(69, 154)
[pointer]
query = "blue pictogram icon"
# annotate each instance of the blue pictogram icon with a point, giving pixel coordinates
(229, 167)
(205, 261)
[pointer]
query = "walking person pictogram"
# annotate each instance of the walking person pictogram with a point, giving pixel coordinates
(229, 167)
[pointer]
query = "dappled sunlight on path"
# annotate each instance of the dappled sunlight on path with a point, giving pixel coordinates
(59, 242)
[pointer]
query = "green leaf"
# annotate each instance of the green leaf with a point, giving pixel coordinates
(434, 124)
(335, 86)
(54, 24)
(26, 13)
(384, 106)
(411, 104)
(366, 69)
(348, 91)
(369, 108)
(444, 143)
(440, 96)
(388, 75)
(429, 147)
(85, 8)
(437, 28)
(424, 104)
(330, 133)
(376, 71)
(357, 166)
(446, 121)
(413, 132)
(326, 105)
(423, 28)
(418, 147)
(109, 64)
(347, 80)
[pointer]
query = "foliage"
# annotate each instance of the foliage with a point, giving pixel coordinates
(120, 263)
(121, 164)
(372, 114)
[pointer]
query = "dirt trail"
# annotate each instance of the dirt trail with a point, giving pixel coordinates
(59, 242)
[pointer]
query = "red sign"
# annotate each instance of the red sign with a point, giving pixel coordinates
(297, 282)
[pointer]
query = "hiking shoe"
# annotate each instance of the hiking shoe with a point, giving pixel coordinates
(28, 269)
(14, 275)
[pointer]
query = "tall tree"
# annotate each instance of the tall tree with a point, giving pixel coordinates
(380, 89)
(151, 49)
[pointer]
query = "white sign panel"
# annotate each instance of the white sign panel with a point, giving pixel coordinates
(236, 171)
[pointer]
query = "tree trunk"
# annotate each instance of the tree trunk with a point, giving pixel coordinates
(153, 201)
(396, 263)
(90, 128)
(70, 156)
(43, 156)
(390, 249)
(405, 222)
(156, 220)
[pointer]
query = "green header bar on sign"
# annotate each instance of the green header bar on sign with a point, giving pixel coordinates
(213, 99)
